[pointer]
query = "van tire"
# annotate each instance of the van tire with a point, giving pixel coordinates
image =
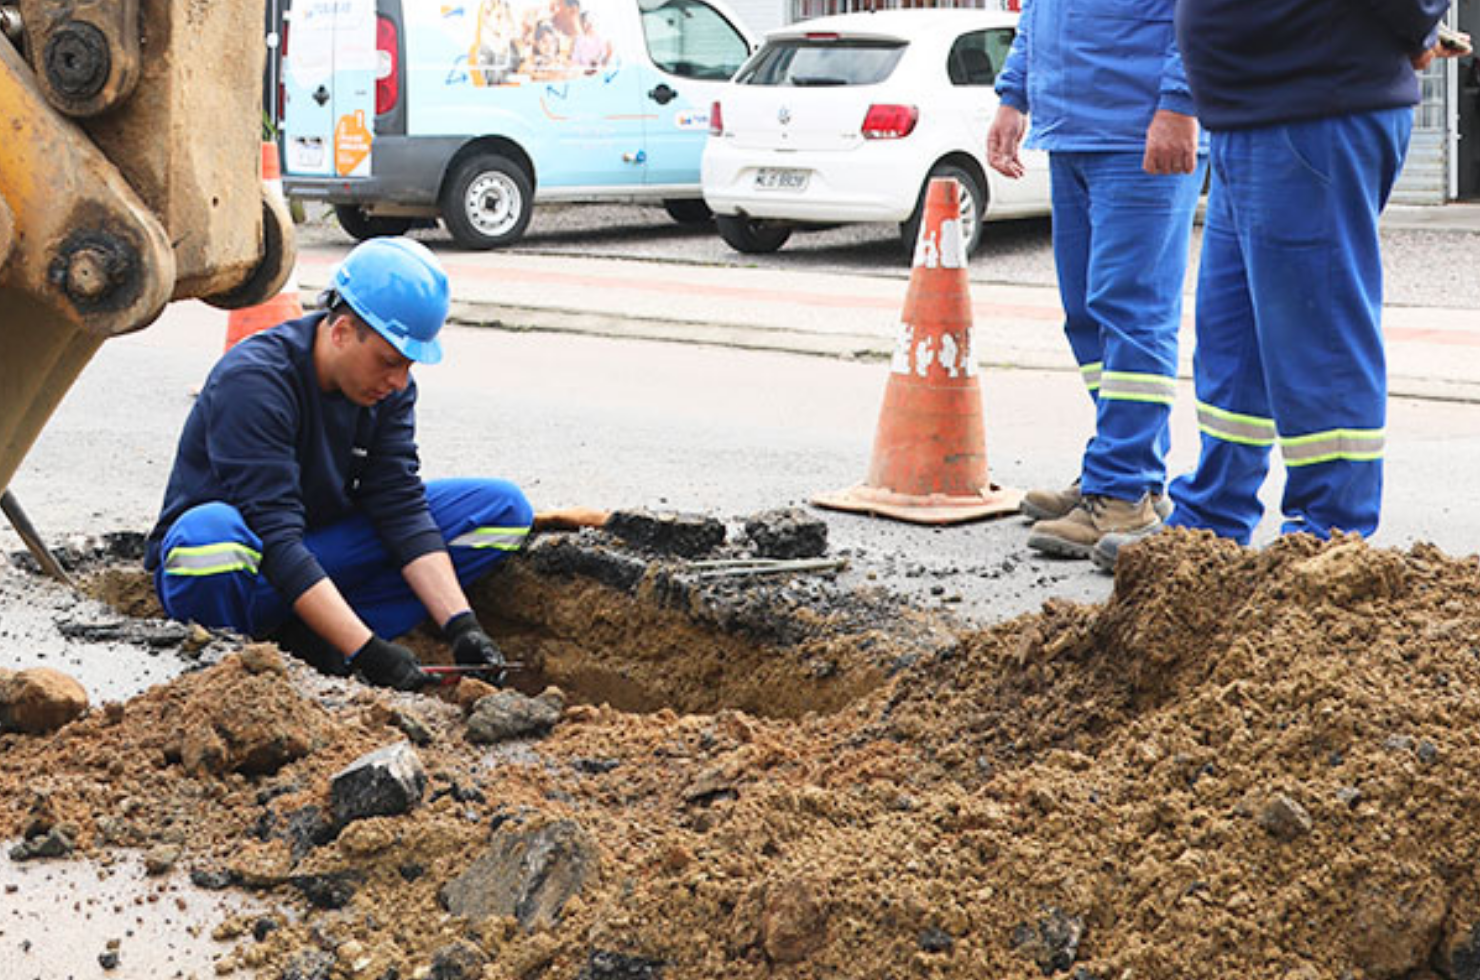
(488, 201)
(909, 229)
(749, 235)
(688, 210)
(360, 226)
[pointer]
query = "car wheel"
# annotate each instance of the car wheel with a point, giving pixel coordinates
(688, 211)
(973, 207)
(487, 202)
(750, 236)
(360, 226)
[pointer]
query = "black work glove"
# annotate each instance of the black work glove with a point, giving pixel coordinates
(387, 664)
(471, 647)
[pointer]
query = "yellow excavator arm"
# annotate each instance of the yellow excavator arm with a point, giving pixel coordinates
(130, 176)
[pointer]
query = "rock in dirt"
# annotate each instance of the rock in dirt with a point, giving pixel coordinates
(39, 700)
(607, 965)
(160, 860)
(309, 965)
(1397, 928)
(1285, 818)
(508, 715)
(1053, 943)
(457, 961)
(793, 921)
(247, 722)
(383, 783)
(789, 532)
(58, 841)
(526, 873)
(685, 535)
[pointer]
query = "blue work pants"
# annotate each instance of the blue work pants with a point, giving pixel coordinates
(1289, 337)
(1121, 239)
(482, 521)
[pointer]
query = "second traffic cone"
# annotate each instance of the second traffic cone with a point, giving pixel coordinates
(241, 324)
(930, 450)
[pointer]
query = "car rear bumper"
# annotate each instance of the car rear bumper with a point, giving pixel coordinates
(873, 183)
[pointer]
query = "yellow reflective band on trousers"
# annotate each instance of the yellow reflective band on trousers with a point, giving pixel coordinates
(1352, 445)
(1131, 386)
(1248, 430)
(212, 559)
(502, 538)
(1091, 374)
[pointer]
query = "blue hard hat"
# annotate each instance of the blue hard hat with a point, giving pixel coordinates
(397, 286)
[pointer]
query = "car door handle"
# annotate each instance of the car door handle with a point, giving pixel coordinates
(662, 95)
(321, 95)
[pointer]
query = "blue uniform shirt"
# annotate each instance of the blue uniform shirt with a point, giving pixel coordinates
(1092, 73)
(266, 439)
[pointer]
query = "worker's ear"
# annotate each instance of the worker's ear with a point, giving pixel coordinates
(341, 328)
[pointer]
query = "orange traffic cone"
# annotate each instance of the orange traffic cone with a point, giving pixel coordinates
(930, 452)
(286, 305)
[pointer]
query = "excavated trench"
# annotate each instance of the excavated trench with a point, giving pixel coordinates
(642, 631)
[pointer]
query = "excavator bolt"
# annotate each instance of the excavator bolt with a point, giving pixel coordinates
(88, 275)
(77, 60)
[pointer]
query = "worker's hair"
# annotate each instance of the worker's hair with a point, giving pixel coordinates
(338, 306)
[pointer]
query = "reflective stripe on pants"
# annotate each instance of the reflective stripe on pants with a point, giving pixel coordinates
(209, 559)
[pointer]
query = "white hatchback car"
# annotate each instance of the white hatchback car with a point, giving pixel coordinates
(845, 119)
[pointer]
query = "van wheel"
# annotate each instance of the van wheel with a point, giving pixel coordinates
(487, 202)
(750, 236)
(973, 207)
(688, 211)
(360, 226)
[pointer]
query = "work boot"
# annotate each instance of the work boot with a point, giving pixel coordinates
(1075, 535)
(1107, 550)
(1050, 505)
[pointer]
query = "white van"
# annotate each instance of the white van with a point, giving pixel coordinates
(396, 111)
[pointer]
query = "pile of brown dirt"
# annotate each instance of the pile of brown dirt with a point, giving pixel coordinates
(1245, 764)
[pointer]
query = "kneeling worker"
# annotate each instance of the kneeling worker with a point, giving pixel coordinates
(294, 511)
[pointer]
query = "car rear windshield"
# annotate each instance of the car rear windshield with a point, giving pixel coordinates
(831, 61)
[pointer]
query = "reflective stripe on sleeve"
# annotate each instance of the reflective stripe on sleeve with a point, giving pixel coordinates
(1248, 430)
(1353, 445)
(212, 559)
(1134, 387)
(1091, 374)
(502, 538)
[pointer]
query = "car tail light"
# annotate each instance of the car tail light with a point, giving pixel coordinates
(716, 121)
(821, 36)
(387, 76)
(889, 122)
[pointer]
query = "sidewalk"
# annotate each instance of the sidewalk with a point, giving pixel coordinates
(1431, 351)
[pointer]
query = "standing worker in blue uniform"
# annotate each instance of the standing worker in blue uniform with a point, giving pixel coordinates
(1101, 83)
(295, 511)
(1309, 106)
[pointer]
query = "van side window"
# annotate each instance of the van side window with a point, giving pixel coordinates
(976, 57)
(691, 39)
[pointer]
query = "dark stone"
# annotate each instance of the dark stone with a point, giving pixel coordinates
(58, 841)
(606, 965)
(327, 891)
(507, 715)
(383, 783)
(412, 727)
(304, 829)
(212, 880)
(790, 532)
(460, 793)
(685, 535)
(933, 940)
(262, 927)
(457, 961)
(559, 555)
(309, 965)
(411, 871)
(594, 767)
(529, 874)
(108, 960)
(1052, 943)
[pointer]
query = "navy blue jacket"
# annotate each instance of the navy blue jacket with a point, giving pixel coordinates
(1260, 62)
(266, 439)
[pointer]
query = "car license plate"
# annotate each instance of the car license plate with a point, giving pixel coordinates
(774, 179)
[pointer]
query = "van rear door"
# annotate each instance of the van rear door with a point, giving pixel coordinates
(329, 88)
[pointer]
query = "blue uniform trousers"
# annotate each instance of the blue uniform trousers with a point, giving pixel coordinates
(1289, 341)
(208, 570)
(1121, 238)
